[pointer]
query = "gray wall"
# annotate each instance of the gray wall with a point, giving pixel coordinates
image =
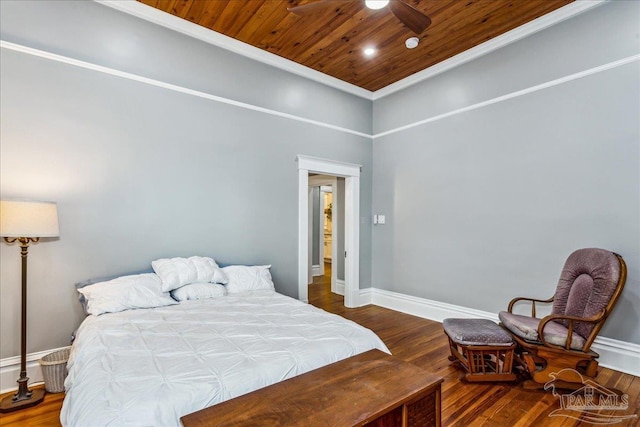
(98, 34)
(486, 205)
(141, 172)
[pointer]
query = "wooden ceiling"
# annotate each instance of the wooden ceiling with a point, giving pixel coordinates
(332, 40)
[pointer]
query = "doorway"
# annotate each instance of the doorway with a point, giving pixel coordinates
(326, 234)
(351, 174)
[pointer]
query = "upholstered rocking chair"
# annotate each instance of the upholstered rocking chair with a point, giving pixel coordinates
(589, 286)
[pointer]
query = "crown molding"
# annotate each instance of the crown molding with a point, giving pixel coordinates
(191, 29)
(206, 35)
(525, 30)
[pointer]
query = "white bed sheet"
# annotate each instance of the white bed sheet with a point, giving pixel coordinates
(149, 367)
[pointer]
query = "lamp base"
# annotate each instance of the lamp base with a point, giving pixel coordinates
(9, 405)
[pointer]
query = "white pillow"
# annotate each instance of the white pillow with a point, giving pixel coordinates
(125, 293)
(219, 277)
(248, 278)
(177, 272)
(199, 291)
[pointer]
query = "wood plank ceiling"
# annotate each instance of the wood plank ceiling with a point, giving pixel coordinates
(332, 39)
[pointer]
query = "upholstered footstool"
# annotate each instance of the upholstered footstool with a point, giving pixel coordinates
(482, 347)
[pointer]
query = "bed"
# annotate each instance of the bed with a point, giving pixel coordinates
(150, 366)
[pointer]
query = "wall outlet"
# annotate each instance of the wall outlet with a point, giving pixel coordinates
(381, 219)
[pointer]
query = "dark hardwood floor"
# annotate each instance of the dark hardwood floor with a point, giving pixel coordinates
(422, 342)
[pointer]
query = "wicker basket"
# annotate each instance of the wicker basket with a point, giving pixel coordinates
(54, 370)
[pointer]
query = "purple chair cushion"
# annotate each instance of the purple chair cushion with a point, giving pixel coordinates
(476, 332)
(527, 328)
(587, 283)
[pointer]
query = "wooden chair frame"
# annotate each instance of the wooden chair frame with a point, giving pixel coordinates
(542, 358)
(484, 362)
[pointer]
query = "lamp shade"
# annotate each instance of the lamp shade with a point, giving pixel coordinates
(28, 219)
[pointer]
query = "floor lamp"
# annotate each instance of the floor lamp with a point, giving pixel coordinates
(25, 222)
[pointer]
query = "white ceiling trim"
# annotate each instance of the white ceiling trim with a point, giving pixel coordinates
(199, 32)
(183, 26)
(525, 30)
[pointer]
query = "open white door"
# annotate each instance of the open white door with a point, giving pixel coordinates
(351, 173)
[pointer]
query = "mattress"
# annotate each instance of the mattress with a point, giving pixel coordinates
(149, 367)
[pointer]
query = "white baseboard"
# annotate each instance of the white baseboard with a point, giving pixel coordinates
(339, 287)
(10, 370)
(317, 270)
(619, 355)
(366, 296)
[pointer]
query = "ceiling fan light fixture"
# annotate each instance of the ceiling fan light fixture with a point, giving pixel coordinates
(376, 4)
(369, 51)
(412, 42)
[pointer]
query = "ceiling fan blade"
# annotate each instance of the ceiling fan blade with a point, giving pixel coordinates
(415, 20)
(310, 8)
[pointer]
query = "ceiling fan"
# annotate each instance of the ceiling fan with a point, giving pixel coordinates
(411, 17)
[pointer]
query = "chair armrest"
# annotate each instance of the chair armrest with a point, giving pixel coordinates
(533, 303)
(571, 319)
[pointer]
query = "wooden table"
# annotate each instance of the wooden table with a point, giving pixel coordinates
(370, 389)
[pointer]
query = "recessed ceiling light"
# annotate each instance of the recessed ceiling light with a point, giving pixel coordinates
(376, 4)
(370, 51)
(412, 42)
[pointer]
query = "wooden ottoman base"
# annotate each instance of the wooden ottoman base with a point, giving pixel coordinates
(483, 348)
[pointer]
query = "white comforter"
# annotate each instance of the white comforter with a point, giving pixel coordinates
(149, 367)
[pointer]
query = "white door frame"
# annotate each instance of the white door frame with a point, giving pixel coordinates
(351, 173)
